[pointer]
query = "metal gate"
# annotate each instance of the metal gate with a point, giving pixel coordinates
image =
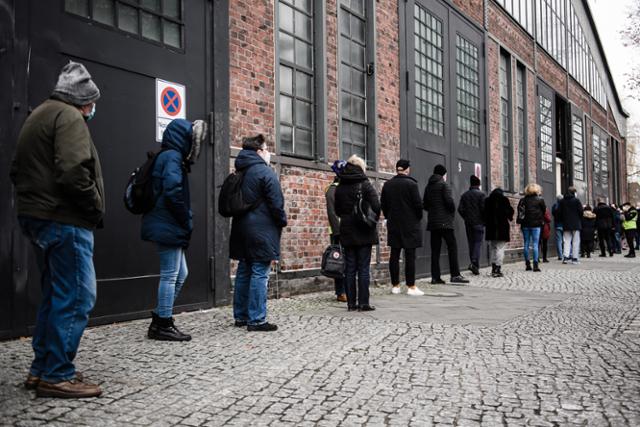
(443, 107)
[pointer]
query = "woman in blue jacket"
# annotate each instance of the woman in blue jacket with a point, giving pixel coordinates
(169, 223)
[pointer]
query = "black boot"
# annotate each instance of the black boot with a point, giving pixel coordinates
(536, 267)
(165, 330)
(528, 266)
(499, 271)
(493, 268)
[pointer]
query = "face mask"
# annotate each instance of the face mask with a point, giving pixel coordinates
(267, 157)
(91, 114)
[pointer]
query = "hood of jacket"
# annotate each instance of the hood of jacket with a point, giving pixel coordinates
(352, 173)
(435, 178)
(498, 192)
(589, 215)
(247, 158)
(400, 176)
(569, 196)
(178, 136)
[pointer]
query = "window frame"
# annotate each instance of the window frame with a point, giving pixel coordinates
(523, 132)
(506, 134)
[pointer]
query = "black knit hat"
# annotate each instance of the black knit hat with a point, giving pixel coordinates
(440, 170)
(402, 165)
(474, 181)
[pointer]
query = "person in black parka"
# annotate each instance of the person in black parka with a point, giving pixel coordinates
(402, 208)
(498, 212)
(471, 209)
(588, 232)
(356, 239)
(334, 222)
(571, 216)
(441, 208)
(604, 225)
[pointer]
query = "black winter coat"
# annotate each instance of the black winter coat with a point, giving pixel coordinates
(534, 209)
(498, 212)
(587, 234)
(402, 208)
(351, 232)
(604, 216)
(471, 207)
(570, 213)
(438, 202)
(255, 236)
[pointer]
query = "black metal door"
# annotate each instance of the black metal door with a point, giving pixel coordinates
(444, 103)
(576, 154)
(546, 138)
(125, 66)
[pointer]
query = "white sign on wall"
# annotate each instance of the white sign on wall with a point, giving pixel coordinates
(171, 99)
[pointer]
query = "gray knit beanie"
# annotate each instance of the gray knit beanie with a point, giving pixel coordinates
(75, 85)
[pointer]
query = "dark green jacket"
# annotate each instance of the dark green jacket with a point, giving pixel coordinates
(56, 170)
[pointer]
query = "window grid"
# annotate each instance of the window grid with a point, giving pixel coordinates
(153, 20)
(505, 122)
(546, 134)
(521, 11)
(429, 79)
(551, 28)
(578, 148)
(296, 78)
(521, 90)
(353, 78)
(468, 92)
(597, 169)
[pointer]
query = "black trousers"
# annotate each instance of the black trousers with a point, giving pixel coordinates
(630, 235)
(437, 236)
(409, 266)
(544, 245)
(604, 237)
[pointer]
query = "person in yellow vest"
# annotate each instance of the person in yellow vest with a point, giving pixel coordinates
(629, 225)
(334, 221)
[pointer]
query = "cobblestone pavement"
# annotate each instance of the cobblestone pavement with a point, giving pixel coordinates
(572, 362)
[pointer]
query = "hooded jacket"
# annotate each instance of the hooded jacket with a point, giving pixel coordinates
(471, 207)
(439, 204)
(351, 233)
(588, 231)
(170, 222)
(571, 212)
(56, 169)
(630, 220)
(604, 216)
(255, 236)
(402, 207)
(498, 212)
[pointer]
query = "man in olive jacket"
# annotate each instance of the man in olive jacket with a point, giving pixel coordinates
(441, 208)
(60, 200)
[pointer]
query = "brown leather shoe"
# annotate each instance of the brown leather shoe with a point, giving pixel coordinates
(342, 298)
(68, 389)
(31, 383)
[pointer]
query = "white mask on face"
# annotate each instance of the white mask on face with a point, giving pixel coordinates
(266, 155)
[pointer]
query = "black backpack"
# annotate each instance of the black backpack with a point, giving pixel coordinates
(333, 264)
(138, 194)
(364, 215)
(231, 201)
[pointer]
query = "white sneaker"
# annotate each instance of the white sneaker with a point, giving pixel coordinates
(395, 290)
(415, 292)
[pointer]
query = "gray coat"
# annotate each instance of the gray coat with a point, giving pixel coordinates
(330, 197)
(438, 202)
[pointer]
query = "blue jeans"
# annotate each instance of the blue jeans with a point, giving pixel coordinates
(475, 235)
(250, 292)
(68, 283)
(559, 247)
(531, 237)
(357, 261)
(173, 273)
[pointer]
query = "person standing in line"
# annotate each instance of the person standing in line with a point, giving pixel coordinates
(555, 211)
(356, 238)
(587, 234)
(60, 199)
(545, 235)
(571, 216)
(531, 209)
(471, 209)
(255, 235)
(169, 223)
(498, 213)
(604, 224)
(637, 236)
(334, 222)
(441, 209)
(402, 208)
(629, 225)
(616, 234)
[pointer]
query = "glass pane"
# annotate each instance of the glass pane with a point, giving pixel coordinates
(78, 7)
(286, 80)
(345, 52)
(344, 23)
(358, 134)
(304, 85)
(345, 134)
(358, 108)
(357, 29)
(286, 109)
(103, 11)
(172, 35)
(304, 5)
(358, 6)
(303, 54)
(286, 47)
(345, 77)
(150, 26)
(128, 18)
(151, 4)
(286, 18)
(303, 26)
(357, 55)
(171, 8)
(304, 144)
(346, 104)
(358, 82)
(286, 139)
(303, 114)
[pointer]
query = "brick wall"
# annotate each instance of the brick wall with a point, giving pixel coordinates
(551, 72)
(472, 9)
(511, 35)
(579, 96)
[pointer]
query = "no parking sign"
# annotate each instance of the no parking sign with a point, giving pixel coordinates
(170, 104)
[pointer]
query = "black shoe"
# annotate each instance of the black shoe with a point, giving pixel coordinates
(437, 282)
(499, 271)
(353, 308)
(165, 330)
(536, 267)
(366, 308)
(611, 254)
(527, 266)
(559, 258)
(265, 327)
(545, 260)
(630, 256)
(240, 323)
(459, 279)
(604, 255)
(565, 260)
(474, 269)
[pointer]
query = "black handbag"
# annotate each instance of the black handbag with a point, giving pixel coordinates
(363, 213)
(333, 264)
